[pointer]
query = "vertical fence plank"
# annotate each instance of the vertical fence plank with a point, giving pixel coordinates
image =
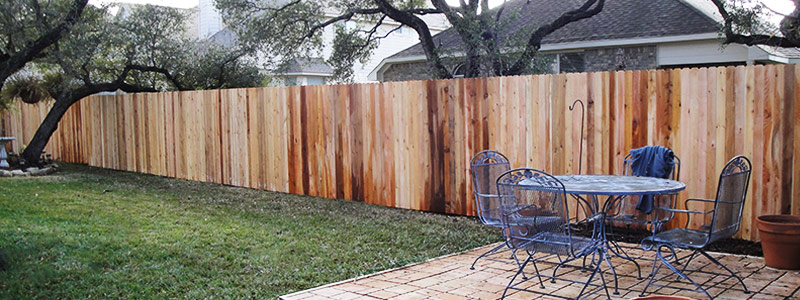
(795, 125)
(408, 144)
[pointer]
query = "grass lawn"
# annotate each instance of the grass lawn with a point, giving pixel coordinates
(88, 232)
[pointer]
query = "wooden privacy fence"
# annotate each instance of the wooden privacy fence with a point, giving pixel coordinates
(408, 144)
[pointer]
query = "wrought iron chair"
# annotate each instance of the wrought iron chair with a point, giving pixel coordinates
(536, 216)
(721, 222)
(623, 211)
(485, 167)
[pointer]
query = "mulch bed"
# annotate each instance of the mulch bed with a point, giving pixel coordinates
(732, 246)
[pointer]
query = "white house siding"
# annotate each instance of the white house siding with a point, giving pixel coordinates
(209, 20)
(700, 52)
(395, 42)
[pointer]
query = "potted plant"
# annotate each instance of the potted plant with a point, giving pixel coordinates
(780, 240)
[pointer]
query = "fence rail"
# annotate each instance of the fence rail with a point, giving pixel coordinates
(408, 144)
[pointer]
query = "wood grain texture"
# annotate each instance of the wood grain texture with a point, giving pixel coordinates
(408, 144)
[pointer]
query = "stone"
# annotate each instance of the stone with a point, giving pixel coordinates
(55, 166)
(43, 171)
(31, 169)
(4, 173)
(18, 173)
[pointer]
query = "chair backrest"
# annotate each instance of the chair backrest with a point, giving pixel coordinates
(485, 167)
(534, 211)
(729, 203)
(658, 217)
(676, 167)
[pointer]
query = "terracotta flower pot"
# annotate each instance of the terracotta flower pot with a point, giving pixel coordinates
(662, 297)
(780, 240)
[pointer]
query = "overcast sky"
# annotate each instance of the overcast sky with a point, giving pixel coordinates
(782, 6)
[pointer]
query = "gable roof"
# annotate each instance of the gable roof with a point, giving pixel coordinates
(308, 66)
(619, 19)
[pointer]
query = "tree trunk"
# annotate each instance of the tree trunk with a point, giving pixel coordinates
(33, 151)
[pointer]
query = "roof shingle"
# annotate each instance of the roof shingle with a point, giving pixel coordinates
(619, 19)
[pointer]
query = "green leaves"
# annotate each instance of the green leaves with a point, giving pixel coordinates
(282, 31)
(142, 45)
(349, 47)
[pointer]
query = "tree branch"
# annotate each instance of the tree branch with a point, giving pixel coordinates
(587, 10)
(425, 37)
(752, 39)
(15, 62)
(159, 70)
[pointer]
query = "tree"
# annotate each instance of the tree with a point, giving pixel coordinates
(30, 27)
(295, 27)
(743, 23)
(145, 51)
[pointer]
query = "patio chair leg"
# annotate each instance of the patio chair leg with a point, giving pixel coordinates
(626, 257)
(686, 263)
(726, 269)
(541, 283)
(657, 262)
(514, 255)
(596, 269)
(665, 262)
(653, 270)
(583, 270)
(510, 283)
(472, 267)
(555, 269)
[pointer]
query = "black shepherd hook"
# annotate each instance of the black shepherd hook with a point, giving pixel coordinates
(583, 110)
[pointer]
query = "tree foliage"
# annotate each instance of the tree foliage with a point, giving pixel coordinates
(146, 50)
(282, 30)
(744, 23)
(27, 28)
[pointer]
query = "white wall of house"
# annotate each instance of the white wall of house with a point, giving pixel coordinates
(700, 52)
(394, 42)
(209, 20)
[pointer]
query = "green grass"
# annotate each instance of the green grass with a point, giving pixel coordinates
(88, 232)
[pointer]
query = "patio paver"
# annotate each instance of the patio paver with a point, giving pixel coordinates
(449, 277)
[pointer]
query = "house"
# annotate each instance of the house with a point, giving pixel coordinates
(626, 35)
(315, 70)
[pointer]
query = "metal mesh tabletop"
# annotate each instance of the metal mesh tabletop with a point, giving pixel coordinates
(618, 185)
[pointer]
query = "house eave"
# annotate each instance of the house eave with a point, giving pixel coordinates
(307, 74)
(377, 73)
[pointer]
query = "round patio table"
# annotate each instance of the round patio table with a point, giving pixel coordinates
(614, 187)
(618, 185)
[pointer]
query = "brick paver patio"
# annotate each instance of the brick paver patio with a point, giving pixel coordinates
(449, 277)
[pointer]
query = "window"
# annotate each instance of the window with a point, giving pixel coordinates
(571, 62)
(459, 71)
(315, 81)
